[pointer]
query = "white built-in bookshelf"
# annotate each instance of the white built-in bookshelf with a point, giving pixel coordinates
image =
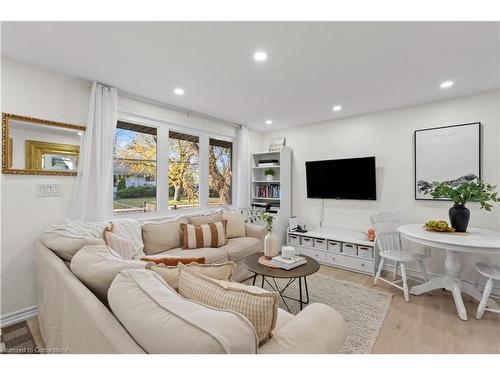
(276, 193)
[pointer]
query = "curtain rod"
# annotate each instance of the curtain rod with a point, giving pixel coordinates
(172, 107)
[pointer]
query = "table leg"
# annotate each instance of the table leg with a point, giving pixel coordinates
(300, 292)
(254, 279)
(450, 281)
(262, 285)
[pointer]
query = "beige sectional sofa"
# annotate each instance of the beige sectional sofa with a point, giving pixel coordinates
(73, 319)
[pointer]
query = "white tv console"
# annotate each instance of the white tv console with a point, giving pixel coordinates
(337, 247)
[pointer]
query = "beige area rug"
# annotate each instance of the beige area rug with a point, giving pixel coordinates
(363, 309)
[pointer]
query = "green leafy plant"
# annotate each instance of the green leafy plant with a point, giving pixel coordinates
(269, 172)
(268, 220)
(476, 191)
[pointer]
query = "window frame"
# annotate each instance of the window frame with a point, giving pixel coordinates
(163, 128)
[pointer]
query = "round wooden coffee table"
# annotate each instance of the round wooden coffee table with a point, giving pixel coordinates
(298, 273)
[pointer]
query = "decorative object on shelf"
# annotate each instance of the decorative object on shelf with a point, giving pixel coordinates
(462, 192)
(276, 144)
(293, 223)
(450, 153)
(438, 226)
(370, 235)
(270, 240)
(269, 172)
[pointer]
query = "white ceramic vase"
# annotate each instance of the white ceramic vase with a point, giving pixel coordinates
(271, 245)
(269, 177)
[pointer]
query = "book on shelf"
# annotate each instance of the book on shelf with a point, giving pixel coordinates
(268, 163)
(288, 264)
(268, 191)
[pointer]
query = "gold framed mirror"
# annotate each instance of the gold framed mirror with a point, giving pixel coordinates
(39, 147)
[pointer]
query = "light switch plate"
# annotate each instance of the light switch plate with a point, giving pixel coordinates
(48, 190)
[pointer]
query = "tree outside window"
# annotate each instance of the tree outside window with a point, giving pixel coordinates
(134, 169)
(183, 171)
(220, 172)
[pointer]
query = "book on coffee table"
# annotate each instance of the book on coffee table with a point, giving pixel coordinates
(288, 264)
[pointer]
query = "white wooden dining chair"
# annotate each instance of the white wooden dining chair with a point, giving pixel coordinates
(492, 274)
(390, 247)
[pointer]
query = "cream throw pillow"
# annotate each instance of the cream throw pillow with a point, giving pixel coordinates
(259, 306)
(206, 219)
(131, 230)
(223, 271)
(162, 236)
(123, 246)
(235, 224)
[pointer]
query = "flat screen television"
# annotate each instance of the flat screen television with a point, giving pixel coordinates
(342, 179)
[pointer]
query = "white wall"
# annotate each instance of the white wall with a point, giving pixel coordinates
(389, 136)
(31, 91)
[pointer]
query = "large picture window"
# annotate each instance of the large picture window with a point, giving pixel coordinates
(183, 170)
(134, 168)
(220, 172)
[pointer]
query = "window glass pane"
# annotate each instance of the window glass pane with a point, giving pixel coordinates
(220, 172)
(134, 169)
(183, 171)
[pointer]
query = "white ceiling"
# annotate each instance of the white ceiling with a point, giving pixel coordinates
(364, 66)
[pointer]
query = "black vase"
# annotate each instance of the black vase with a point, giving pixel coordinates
(459, 217)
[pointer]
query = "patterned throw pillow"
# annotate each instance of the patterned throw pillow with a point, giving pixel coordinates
(205, 235)
(173, 261)
(120, 244)
(130, 229)
(259, 306)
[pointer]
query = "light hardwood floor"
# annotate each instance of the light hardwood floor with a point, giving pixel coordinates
(428, 323)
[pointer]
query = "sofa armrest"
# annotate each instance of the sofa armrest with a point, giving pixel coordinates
(255, 231)
(318, 329)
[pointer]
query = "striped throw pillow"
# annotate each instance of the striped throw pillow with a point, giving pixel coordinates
(204, 235)
(259, 306)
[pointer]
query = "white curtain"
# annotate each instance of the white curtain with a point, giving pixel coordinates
(243, 194)
(92, 197)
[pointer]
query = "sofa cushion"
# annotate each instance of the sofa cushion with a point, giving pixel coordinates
(258, 305)
(130, 229)
(170, 274)
(241, 247)
(204, 235)
(211, 254)
(162, 321)
(206, 219)
(122, 245)
(235, 224)
(161, 236)
(97, 266)
(66, 246)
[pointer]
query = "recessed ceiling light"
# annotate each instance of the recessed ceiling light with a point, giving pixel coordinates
(446, 84)
(337, 108)
(260, 56)
(269, 122)
(80, 134)
(179, 91)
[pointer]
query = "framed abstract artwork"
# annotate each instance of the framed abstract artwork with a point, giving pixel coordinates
(448, 153)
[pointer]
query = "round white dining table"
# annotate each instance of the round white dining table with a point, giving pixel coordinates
(474, 241)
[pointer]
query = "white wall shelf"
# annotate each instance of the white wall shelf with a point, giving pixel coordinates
(283, 181)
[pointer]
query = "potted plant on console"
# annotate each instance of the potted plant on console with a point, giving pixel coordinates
(269, 173)
(460, 193)
(270, 240)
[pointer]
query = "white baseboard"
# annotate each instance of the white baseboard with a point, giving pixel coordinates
(417, 274)
(18, 316)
